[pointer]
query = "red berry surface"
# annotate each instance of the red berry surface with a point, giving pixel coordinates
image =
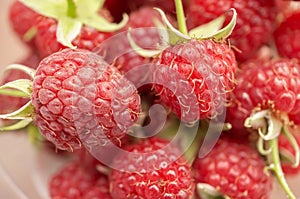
(235, 169)
(79, 97)
(272, 85)
(79, 181)
(151, 172)
(287, 37)
(46, 40)
(22, 19)
(203, 70)
(255, 21)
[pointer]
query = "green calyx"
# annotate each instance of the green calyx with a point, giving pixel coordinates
(206, 191)
(18, 88)
(72, 15)
(211, 30)
(270, 125)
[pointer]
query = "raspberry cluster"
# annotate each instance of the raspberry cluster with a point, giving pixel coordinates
(190, 99)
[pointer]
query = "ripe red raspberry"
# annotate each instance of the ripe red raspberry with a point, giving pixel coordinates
(287, 37)
(255, 22)
(235, 169)
(78, 98)
(200, 69)
(150, 171)
(78, 181)
(46, 41)
(272, 85)
(22, 19)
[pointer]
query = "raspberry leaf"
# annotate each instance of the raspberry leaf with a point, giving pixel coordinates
(68, 29)
(18, 125)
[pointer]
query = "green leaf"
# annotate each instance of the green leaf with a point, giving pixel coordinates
(22, 113)
(227, 30)
(23, 68)
(175, 35)
(48, 8)
(68, 29)
(18, 125)
(209, 29)
(88, 7)
(23, 85)
(139, 50)
(101, 24)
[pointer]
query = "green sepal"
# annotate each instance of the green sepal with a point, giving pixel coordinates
(17, 126)
(88, 7)
(49, 8)
(209, 29)
(227, 30)
(206, 191)
(175, 35)
(67, 30)
(101, 24)
(23, 88)
(293, 142)
(139, 50)
(35, 137)
(22, 113)
(20, 67)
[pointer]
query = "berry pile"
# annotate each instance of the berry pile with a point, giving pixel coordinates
(159, 99)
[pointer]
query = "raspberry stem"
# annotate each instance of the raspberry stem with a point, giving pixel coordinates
(71, 12)
(180, 17)
(275, 166)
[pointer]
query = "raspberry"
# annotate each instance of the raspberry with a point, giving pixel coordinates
(205, 69)
(152, 172)
(22, 19)
(287, 37)
(235, 169)
(79, 97)
(255, 22)
(274, 84)
(77, 181)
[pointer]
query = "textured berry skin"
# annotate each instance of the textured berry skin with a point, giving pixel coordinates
(255, 22)
(287, 37)
(235, 169)
(149, 175)
(46, 42)
(8, 103)
(274, 84)
(22, 19)
(285, 145)
(78, 181)
(79, 97)
(206, 72)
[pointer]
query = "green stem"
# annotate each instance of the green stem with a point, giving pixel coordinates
(71, 12)
(180, 17)
(276, 167)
